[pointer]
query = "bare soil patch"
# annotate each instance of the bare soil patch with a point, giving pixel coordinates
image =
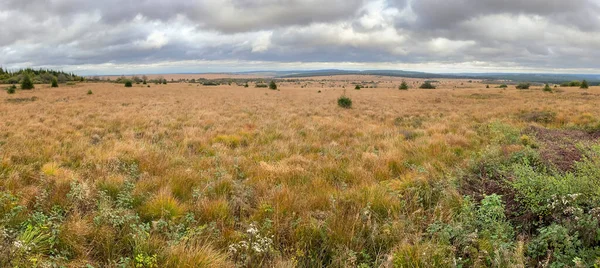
(558, 147)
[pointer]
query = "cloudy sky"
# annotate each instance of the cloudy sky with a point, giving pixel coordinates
(154, 36)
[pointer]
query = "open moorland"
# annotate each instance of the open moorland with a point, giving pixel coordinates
(189, 175)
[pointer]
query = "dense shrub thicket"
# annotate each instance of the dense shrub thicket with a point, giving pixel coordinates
(40, 76)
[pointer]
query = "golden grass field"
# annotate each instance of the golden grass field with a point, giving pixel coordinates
(185, 175)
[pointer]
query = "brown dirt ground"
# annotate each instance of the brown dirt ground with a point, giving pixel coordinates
(558, 148)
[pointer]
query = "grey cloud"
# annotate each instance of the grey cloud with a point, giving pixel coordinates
(533, 33)
(447, 13)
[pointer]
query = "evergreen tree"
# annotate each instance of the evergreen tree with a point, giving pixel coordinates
(403, 86)
(54, 82)
(547, 88)
(584, 84)
(27, 83)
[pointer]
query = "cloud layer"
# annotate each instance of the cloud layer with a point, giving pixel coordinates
(536, 35)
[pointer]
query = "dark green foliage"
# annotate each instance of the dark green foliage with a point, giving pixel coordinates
(403, 86)
(164, 81)
(357, 87)
(42, 76)
(90, 92)
(272, 85)
(555, 244)
(503, 86)
(246, 84)
(27, 84)
(54, 82)
(210, 83)
(260, 85)
(584, 84)
(571, 84)
(128, 84)
(427, 85)
(11, 90)
(547, 88)
(556, 212)
(523, 86)
(345, 102)
(487, 221)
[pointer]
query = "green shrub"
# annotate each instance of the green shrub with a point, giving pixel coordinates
(345, 102)
(11, 90)
(128, 84)
(357, 87)
(523, 86)
(54, 82)
(427, 85)
(571, 84)
(555, 245)
(403, 86)
(503, 86)
(547, 88)
(260, 85)
(479, 233)
(90, 92)
(27, 84)
(584, 84)
(272, 85)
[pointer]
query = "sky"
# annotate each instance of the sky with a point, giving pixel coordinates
(187, 36)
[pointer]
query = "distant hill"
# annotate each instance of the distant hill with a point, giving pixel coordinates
(517, 77)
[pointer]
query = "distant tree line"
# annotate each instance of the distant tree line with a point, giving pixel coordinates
(37, 76)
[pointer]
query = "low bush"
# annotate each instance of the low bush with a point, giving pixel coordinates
(11, 90)
(547, 88)
(272, 85)
(427, 85)
(128, 84)
(523, 86)
(54, 82)
(403, 86)
(571, 84)
(345, 102)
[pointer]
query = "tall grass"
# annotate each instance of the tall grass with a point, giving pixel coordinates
(228, 176)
